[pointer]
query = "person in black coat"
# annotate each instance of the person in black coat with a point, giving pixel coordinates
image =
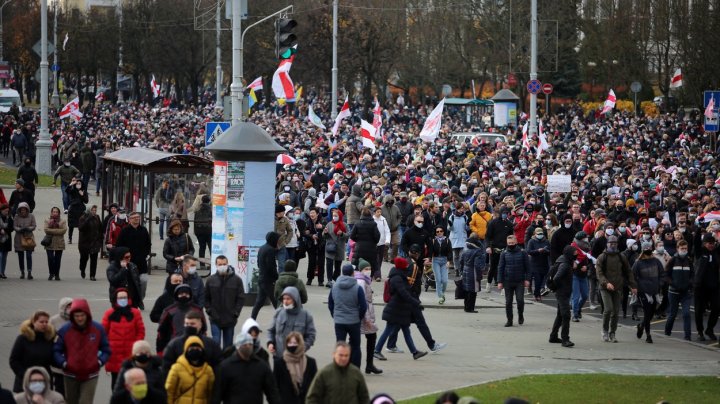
(417, 235)
(398, 312)
(267, 272)
(143, 358)
(366, 236)
(6, 396)
(167, 298)
(77, 198)
(6, 228)
(293, 387)
(498, 229)
(177, 245)
(128, 394)
(136, 238)
(122, 273)
(33, 347)
(562, 238)
(89, 241)
(563, 290)
(244, 378)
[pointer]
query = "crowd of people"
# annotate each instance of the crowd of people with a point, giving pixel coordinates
(637, 230)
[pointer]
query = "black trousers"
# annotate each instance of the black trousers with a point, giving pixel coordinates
(494, 262)
(516, 290)
(469, 302)
(265, 290)
(703, 298)
(93, 257)
(562, 319)
(648, 306)
(316, 264)
(371, 339)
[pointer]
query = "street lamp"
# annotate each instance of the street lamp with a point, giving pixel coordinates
(591, 67)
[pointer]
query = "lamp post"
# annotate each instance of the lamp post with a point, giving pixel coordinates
(120, 98)
(334, 71)
(55, 95)
(43, 164)
(591, 66)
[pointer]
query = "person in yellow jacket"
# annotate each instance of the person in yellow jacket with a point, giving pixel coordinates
(480, 220)
(190, 379)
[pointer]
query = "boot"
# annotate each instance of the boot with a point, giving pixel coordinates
(371, 369)
(22, 274)
(30, 277)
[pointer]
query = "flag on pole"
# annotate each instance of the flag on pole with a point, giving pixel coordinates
(100, 97)
(298, 93)
(155, 87)
(65, 41)
(314, 119)
(609, 103)
(431, 128)
(71, 110)
(282, 84)
(343, 114)
(377, 120)
(710, 108)
(676, 80)
(542, 140)
(367, 133)
(525, 141)
(252, 98)
(256, 85)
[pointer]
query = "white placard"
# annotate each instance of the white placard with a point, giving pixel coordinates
(558, 183)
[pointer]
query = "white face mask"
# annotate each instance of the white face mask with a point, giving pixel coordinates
(122, 216)
(36, 387)
(192, 270)
(418, 225)
(336, 218)
(568, 225)
(622, 229)
(222, 269)
(609, 232)
(367, 272)
(539, 236)
(289, 306)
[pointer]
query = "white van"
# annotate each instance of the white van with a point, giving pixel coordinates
(7, 98)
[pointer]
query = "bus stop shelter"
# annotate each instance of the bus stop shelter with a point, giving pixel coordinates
(472, 110)
(131, 176)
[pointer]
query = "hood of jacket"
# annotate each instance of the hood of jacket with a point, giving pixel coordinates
(192, 340)
(80, 304)
(473, 243)
(65, 302)
(272, 239)
(27, 330)
(248, 325)
(356, 190)
(312, 192)
(114, 297)
(388, 198)
(345, 281)
(295, 294)
(182, 287)
(43, 372)
(23, 205)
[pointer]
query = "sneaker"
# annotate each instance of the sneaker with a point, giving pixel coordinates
(568, 344)
(394, 350)
(648, 339)
(442, 300)
(419, 354)
(379, 356)
(555, 340)
(593, 307)
(30, 277)
(502, 292)
(612, 337)
(711, 336)
(545, 292)
(575, 319)
(521, 319)
(605, 336)
(438, 346)
(66, 211)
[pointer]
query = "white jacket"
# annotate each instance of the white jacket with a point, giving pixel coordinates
(384, 230)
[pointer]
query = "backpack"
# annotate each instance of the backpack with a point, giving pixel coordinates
(550, 278)
(386, 291)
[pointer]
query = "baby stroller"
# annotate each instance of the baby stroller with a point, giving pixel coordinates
(428, 277)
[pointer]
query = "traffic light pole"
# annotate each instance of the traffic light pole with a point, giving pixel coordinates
(533, 68)
(238, 37)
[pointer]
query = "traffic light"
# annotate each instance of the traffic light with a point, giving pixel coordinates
(284, 38)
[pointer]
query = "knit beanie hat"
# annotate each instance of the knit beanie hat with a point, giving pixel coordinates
(362, 264)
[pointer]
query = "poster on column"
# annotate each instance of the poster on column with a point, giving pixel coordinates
(219, 196)
(236, 183)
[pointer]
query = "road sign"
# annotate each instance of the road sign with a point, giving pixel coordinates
(55, 68)
(213, 130)
(712, 124)
(37, 48)
(547, 88)
(534, 86)
(635, 87)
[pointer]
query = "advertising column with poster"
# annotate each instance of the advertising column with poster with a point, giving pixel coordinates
(219, 198)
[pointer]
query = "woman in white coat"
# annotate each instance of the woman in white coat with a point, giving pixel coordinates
(367, 325)
(382, 245)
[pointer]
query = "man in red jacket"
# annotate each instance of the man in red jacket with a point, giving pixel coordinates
(81, 349)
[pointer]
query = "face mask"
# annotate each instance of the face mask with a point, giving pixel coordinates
(418, 225)
(142, 358)
(286, 189)
(78, 185)
(503, 216)
(548, 223)
(222, 269)
(612, 249)
(511, 247)
(122, 216)
(36, 387)
(568, 225)
(633, 227)
(66, 164)
(27, 164)
(634, 247)
(646, 237)
(289, 306)
(192, 270)
(246, 350)
(367, 273)
(189, 330)
(716, 227)
(660, 250)
(539, 236)
(622, 229)
(196, 357)
(122, 302)
(336, 218)
(292, 348)
(184, 299)
(139, 391)
(682, 253)
(609, 232)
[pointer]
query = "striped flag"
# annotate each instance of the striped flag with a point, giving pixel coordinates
(282, 84)
(432, 124)
(677, 79)
(609, 103)
(542, 141)
(155, 87)
(344, 113)
(525, 141)
(71, 110)
(377, 120)
(314, 119)
(710, 108)
(256, 85)
(252, 98)
(367, 134)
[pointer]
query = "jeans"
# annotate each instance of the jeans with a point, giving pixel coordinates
(677, 298)
(65, 198)
(401, 252)
(456, 260)
(539, 281)
(316, 263)
(440, 269)
(54, 257)
(516, 290)
(353, 330)
(93, 257)
(419, 319)
(332, 273)
(3, 261)
(612, 301)
(265, 290)
(562, 319)
(85, 181)
(28, 255)
(98, 182)
(204, 241)
(392, 329)
(164, 215)
(282, 256)
(579, 294)
(648, 306)
(224, 334)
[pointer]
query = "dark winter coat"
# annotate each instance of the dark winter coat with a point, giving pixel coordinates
(162, 302)
(224, 297)
(399, 308)
(153, 375)
(497, 232)
(245, 381)
(176, 246)
(706, 271)
(285, 383)
(560, 239)
(6, 224)
(539, 260)
(267, 259)
(138, 241)
(441, 249)
(563, 278)
(127, 277)
(366, 236)
(31, 349)
(286, 279)
(679, 274)
(648, 275)
(172, 324)
(91, 236)
(76, 205)
(202, 224)
(514, 267)
(176, 347)
(472, 262)
(417, 236)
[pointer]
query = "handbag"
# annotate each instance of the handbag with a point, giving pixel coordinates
(460, 292)
(46, 241)
(330, 246)
(27, 241)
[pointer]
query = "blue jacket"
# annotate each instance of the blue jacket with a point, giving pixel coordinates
(346, 302)
(539, 261)
(472, 262)
(457, 228)
(514, 266)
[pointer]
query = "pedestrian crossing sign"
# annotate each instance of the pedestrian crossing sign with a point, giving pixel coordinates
(213, 130)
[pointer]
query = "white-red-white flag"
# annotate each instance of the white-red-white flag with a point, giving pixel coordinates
(542, 140)
(525, 140)
(343, 114)
(71, 110)
(431, 128)
(256, 85)
(709, 109)
(155, 87)
(100, 97)
(677, 80)
(377, 120)
(282, 84)
(609, 103)
(367, 133)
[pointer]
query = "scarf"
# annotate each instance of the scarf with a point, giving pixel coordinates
(339, 226)
(54, 223)
(296, 363)
(121, 312)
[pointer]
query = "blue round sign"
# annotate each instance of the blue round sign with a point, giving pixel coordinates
(55, 68)
(534, 86)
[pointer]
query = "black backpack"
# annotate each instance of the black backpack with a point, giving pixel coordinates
(550, 278)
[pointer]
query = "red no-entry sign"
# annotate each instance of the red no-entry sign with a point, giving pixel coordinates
(547, 88)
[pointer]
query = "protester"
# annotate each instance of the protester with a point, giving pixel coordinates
(166, 298)
(122, 273)
(136, 390)
(29, 175)
(89, 241)
(193, 325)
(339, 382)
(188, 270)
(706, 286)
(441, 254)
(290, 317)
(190, 379)
(123, 326)
(289, 277)
(285, 232)
(24, 224)
(21, 195)
(33, 347)
(498, 231)
(37, 388)
(336, 237)
(295, 371)
(6, 229)
(367, 324)
(347, 306)
(57, 321)
(678, 274)
(143, 358)
(648, 271)
(177, 245)
(513, 278)
(613, 271)
(77, 198)
(366, 236)
(67, 173)
(55, 228)
(172, 319)
(224, 297)
(202, 224)
(163, 197)
(267, 273)
(538, 249)
(566, 264)
(472, 263)
(137, 239)
(314, 227)
(179, 211)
